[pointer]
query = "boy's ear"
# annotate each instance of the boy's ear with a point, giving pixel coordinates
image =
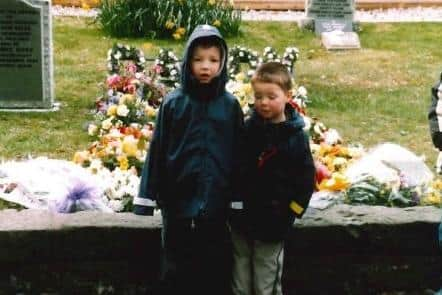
(289, 95)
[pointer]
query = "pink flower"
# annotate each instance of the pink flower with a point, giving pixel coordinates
(130, 88)
(131, 68)
(113, 81)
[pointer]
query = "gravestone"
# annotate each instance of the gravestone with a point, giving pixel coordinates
(26, 66)
(333, 21)
(331, 15)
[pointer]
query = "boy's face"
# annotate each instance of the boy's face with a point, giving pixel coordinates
(205, 63)
(270, 101)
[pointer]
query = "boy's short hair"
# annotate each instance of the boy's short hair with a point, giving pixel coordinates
(207, 42)
(273, 72)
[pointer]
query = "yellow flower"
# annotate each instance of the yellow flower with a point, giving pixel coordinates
(112, 110)
(217, 23)
(181, 31)
(127, 98)
(80, 157)
(150, 111)
(169, 25)
(211, 2)
(123, 162)
(130, 146)
(176, 36)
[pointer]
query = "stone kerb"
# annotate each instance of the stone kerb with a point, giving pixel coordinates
(342, 247)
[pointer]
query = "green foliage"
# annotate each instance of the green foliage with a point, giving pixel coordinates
(166, 18)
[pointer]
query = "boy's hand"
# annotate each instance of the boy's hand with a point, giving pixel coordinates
(143, 210)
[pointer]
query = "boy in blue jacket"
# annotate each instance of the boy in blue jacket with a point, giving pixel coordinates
(189, 171)
(277, 183)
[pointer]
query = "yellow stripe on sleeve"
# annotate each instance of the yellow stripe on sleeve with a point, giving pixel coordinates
(296, 207)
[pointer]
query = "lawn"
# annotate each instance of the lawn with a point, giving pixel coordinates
(377, 94)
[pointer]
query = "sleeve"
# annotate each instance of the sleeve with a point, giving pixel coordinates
(149, 192)
(435, 115)
(237, 202)
(304, 176)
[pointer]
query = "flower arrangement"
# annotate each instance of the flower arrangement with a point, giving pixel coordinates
(120, 52)
(241, 55)
(168, 67)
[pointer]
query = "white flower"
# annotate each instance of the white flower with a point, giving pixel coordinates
(92, 129)
(142, 59)
(122, 110)
(107, 124)
(173, 72)
(117, 55)
(267, 49)
(270, 56)
(302, 91)
(307, 122)
(170, 54)
(253, 63)
(241, 54)
(332, 137)
(116, 205)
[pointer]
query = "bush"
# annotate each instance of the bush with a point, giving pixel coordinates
(166, 18)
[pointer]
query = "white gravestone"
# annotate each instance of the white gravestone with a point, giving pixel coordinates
(26, 62)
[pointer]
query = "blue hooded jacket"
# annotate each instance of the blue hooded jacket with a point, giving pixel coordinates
(189, 171)
(278, 176)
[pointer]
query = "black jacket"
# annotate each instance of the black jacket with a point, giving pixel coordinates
(277, 169)
(435, 119)
(194, 151)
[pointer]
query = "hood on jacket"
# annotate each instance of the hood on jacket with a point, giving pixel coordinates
(188, 83)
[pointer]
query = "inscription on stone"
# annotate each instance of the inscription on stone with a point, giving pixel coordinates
(25, 54)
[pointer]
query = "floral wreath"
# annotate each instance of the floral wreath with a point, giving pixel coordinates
(240, 54)
(168, 67)
(120, 52)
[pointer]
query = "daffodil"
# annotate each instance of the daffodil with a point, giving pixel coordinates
(217, 23)
(169, 25)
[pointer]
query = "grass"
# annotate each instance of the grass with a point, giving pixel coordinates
(377, 94)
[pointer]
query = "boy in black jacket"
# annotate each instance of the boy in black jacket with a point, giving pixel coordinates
(435, 121)
(189, 170)
(277, 183)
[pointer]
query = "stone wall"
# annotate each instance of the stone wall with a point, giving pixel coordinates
(341, 250)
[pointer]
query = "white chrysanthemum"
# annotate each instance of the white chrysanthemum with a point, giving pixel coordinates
(117, 55)
(302, 91)
(106, 124)
(116, 205)
(92, 129)
(122, 110)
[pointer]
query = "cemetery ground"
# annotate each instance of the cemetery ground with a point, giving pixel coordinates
(380, 93)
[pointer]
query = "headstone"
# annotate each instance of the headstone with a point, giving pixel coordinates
(338, 40)
(26, 66)
(331, 15)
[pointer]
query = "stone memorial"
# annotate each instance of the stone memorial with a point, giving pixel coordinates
(26, 65)
(328, 16)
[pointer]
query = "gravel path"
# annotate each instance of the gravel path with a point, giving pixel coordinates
(417, 14)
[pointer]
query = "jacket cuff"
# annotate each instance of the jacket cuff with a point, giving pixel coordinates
(143, 210)
(237, 205)
(144, 202)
